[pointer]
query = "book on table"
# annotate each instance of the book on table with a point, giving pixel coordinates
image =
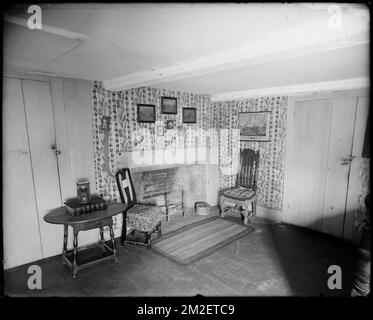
(75, 208)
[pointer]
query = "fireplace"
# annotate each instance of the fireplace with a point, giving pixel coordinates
(183, 184)
(154, 183)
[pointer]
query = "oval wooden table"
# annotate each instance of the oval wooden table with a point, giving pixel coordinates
(87, 221)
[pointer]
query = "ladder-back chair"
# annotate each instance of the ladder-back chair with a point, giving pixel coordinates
(143, 217)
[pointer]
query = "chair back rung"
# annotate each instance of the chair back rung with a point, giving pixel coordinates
(126, 188)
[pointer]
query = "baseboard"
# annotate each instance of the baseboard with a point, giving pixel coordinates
(268, 213)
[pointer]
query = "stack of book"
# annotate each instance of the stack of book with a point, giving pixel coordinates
(75, 208)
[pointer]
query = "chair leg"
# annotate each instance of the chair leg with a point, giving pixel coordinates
(147, 238)
(222, 208)
(242, 217)
(246, 217)
(246, 213)
(159, 229)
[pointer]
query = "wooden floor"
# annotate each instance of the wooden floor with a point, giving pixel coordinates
(271, 261)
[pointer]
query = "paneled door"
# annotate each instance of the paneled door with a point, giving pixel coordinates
(44, 154)
(319, 156)
(30, 165)
(22, 242)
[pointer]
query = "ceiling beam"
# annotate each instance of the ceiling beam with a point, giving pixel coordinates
(347, 84)
(286, 45)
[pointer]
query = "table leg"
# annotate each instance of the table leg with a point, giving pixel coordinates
(64, 250)
(102, 238)
(75, 252)
(113, 242)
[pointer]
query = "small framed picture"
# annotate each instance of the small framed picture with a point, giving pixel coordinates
(160, 131)
(105, 124)
(169, 105)
(189, 115)
(146, 113)
(254, 126)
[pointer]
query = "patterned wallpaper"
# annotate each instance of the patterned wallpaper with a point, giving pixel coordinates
(364, 190)
(116, 129)
(272, 154)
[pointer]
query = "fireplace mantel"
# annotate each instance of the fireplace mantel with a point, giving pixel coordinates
(162, 158)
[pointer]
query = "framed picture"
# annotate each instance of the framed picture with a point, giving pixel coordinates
(146, 113)
(169, 105)
(170, 124)
(105, 124)
(160, 131)
(254, 126)
(189, 115)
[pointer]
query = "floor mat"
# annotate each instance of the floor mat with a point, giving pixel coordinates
(199, 239)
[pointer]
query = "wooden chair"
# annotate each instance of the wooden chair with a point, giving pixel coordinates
(143, 217)
(244, 194)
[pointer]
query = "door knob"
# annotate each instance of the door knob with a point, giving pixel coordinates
(57, 152)
(347, 161)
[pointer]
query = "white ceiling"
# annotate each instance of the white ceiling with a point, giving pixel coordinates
(209, 48)
(351, 62)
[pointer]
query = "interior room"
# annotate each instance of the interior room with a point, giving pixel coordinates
(186, 149)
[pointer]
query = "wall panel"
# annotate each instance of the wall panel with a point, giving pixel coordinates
(21, 236)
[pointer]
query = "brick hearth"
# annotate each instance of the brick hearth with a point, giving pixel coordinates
(177, 181)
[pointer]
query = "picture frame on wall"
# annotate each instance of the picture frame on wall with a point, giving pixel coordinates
(254, 126)
(145, 113)
(169, 105)
(105, 124)
(170, 124)
(189, 115)
(160, 131)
